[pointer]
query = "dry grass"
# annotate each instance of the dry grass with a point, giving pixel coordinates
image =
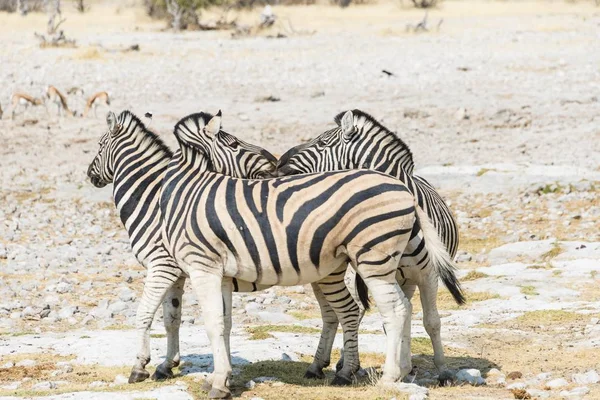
(529, 290)
(553, 252)
(263, 331)
(548, 319)
(305, 314)
(445, 301)
(473, 275)
(89, 53)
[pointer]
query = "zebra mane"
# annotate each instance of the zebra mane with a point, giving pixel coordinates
(136, 123)
(188, 128)
(361, 118)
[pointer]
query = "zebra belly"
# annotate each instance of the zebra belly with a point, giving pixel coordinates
(288, 276)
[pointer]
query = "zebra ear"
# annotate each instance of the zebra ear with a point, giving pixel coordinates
(214, 125)
(111, 120)
(347, 124)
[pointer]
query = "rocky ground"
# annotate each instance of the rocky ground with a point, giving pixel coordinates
(499, 108)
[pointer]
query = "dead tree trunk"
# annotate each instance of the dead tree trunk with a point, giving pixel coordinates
(176, 11)
(80, 6)
(54, 16)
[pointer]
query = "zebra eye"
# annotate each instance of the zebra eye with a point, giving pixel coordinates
(234, 145)
(322, 143)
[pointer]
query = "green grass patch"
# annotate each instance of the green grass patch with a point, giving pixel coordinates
(553, 252)
(158, 335)
(483, 171)
(540, 266)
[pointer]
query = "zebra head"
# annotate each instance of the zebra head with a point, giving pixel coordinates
(227, 154)
(359, 141)
(101, 170)
(327, 152)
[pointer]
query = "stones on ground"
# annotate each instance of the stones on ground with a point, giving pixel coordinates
(516, 386)
(47, 385)
(495, 378)
(67, 312)
(414, 391)
(9, 364)
(252, 307)
(120, 380)
(576, 393)
(263, 379)
(65, 366)
(97, 384)
(557, 383)
(472, 376)
(63, 287)
(26, 363)
(588, 378)
(275, 317)
(514, 375)
(250, 384)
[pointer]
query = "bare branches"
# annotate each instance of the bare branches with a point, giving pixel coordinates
(425, 3)
(58, 40)
(80, 6)
(422, 26)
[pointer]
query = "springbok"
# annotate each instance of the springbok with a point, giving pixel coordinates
(25, 101)
(56, 97)
(100, 98)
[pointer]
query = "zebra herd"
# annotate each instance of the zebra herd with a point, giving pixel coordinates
(343, 212)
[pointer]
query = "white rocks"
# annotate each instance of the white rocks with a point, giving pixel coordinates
(67, 312)
(495, 378)
(63, 287)
(415, 392)
(120, 380)
(298, 289)
(250, 384)
(26, 363)
(126, 294)
(576, 393)
(9, 364)
(594, 321)
(516, 385)
(47, 385)
(587, 378)
(557, 383)
(275, 317)
(531, 249)
(472, 376)
(118, 307)
(11, 386)
(252, 307)
(263, 379)
(97, 384)
(65, 366)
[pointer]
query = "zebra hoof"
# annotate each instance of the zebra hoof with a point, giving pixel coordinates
(341, 381)
(206, 386)
(162, 374)
(314, 375)
(138, 375)
(446, 378)
(219, 394)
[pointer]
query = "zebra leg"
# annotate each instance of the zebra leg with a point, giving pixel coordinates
(431, 320)
(350, 280)
(172, 319)
(395, 309)
(340, 300)
(330, 324)
(214, 301)
(405, 355)
(159, 280)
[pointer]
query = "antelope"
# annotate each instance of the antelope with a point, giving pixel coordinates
(100, 98)
(24, 100)
(56, 97)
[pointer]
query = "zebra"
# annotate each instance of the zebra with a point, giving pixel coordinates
(135, 160)
(360, 141)
(288, 231)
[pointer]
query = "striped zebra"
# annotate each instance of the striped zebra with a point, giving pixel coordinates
(360, 141)
(289, 231)
(135, 160)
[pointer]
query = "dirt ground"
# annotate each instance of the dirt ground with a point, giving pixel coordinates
(500, 106)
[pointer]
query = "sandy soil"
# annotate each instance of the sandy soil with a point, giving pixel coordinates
(501, 108)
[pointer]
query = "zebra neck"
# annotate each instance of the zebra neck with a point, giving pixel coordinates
(140, 165)
(194, 160)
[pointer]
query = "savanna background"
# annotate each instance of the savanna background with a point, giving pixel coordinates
(498, 100)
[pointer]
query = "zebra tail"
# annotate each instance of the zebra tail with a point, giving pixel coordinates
(363, 292)
(438, 255)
